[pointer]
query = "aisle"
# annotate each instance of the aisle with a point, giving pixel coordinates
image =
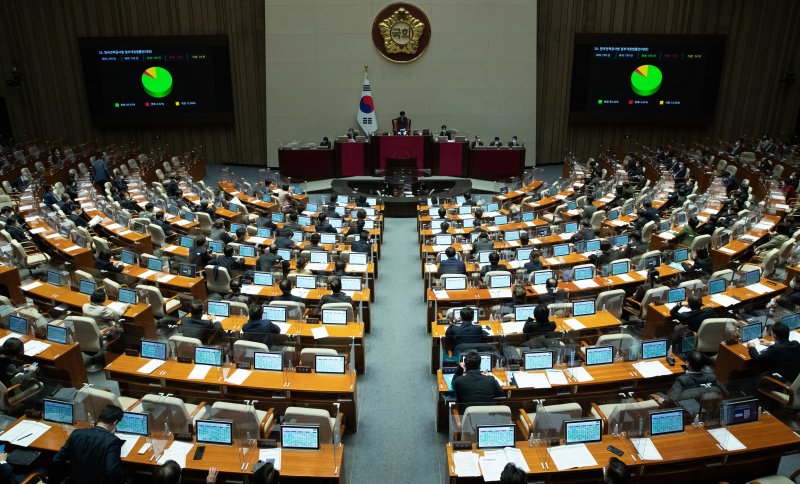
(396, 439)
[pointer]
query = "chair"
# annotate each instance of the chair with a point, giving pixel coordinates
(785, 252)
(246, 418)
(294, 309)
(157, 235)
(14, 397)
(731, 169)
(178, 415)
(82, 276)
(769, 263)
(711, 333)
(238, 308)
(454, 277)
(777, 171)
(597, 220)
(100, 243)
(205, 222)
(559, 308)
(28, 258)
(491, 274)
(647, 231)
(312, 352)
(94, 400)
(726, 274)
(340, 305)
(527, 422)
(700, 242)
(313, 416)
(476, 415)
(639, 310)
(154, 298)
(243, 350)
(112, 288)
(218, 279)
(608, 410)
(620, 341)
(556, 215)
(611, 301)
(88, 336)
(787, 395)
(692, 285)
(183, 346)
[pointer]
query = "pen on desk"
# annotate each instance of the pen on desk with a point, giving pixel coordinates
(25, 436)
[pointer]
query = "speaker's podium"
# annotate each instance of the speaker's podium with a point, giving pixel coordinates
(405, 151)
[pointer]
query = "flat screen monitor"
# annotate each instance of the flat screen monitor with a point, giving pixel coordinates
(205, 355)
(541, 277)
(319, 257)
(460, 200)
(613, 214)
(187, 241)
(524, 253)
(275, 313)
(127, 295)
(538, 360)
(312, 207)
(583, 273)
(680, 255)
(235, 228)
(752, 277)
(188, 216)
(57, 334)
(751, 331)
(87, 287)
(300, 437)
(583, 431)
(455, 283)
(247, 251)
(334, 316)
(500, 220)
(54, 278)
(262, 278)
(297, 237)
(173, 209)
(593, 245)
(572, 205)
(219, 432)
(329, 364)
(739, 411)
(599, 355)
(792, 321)
(717, 286)
(620, 267)
(277, 217)
(58, 412)
(336, 223)
(268, 361)
(358, 259)
(483, 256)
(495, 436)
(620, 240)
(511, 236)
(155, 350)
(560, 250)
(342, 199)
(664, 226)
(219, 308)
(187, 270)
(79, 240)
(17, 324)
(486, 361)
(527, 216)
(304, 220)
(656, 348)
(570, 227)
(155, 264)
(543, 231)
(652, 261)
(215, 246)
(522, 313)
(306, 282)
(327, 239)
(492, 207)
(666, 422)
(500, 281)
(583, 308)
(263, 232)
(285, 254)
(127, 257)
(350, 283)
(676, 295)
(133, 423)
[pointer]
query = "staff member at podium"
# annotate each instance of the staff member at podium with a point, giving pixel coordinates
(496, 142)
(513, 143)
(402, 124)
(351, 134)
(477, 141)
(444, 132)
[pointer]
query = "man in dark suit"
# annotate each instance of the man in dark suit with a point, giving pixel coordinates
(494, 264)
(267, 259)
(472, 386)
(535, 262)
(159, 220)
(194, 326)
(402, 124)
(782, 356)
(691, 384)
(15, 230)
(286, 292)
(514, 143)
(351, 134)
(331, 212)
(323, 227)
(77, 216)
(92, 455)
(496, 142)
(198, 254)
(444, 132)
(589, 209)
(362, 244)
(696, 315)
(452, 265)
(337, 296)
(258, 329)
(226, 260)
(477, 142)
(284, 240)
(466, 332)
(553, 294)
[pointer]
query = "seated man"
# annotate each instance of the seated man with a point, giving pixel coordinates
(198, 254)
(552, 293)
(585, 232)
(284, 239)
(286, 292)
(482, 243)
(103, 262)
(96, 309)
(258, 329)
(466, 332)
(236, 293)
(653, 281)
(313, 242)
(782, 234)
(194, 326)
(696, 315)
(363, 244)
(293, 223)
(688, 232)
(451, 265)
(694, 382)
(781, 356)
(494, 265)
(226, 260)
(540, 323)
(208, 210)
(219, 232)
(269, 256)
(589, 209)
(159, 220)
(518, 297)
(535, 262)
(338, 296)
(472, 386)
(323, 227)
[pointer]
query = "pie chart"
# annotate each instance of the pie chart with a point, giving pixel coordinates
(646, 80)
(157, 82)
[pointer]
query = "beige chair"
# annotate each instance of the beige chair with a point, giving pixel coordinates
(243, 350)
(247, 420)
(700, 242)
(620, 341)
(692, 285)
(29, 257)
(310, 353)
(609, 411)
(475, 415)
(785, 252)
(205, 222)
(313, 416)
(100, 243)
(183, 346)
(112, 288)
(597, 220)
(294, 309)
(769, 262)
(527, 422)
(14, 397)
(453, 277)
(180, 416)
(787, 395)
(82, 276)
(491, 274)
(153, 297)
(92, 401)
(340, 305)
(157, 235)
(726, 274)
(711, 333)
(644, 256)
(218, 279)
(238, 308)
(88, 336)
(611, 301)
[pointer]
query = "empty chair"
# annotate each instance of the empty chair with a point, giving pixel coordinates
(692, 285)
(527, 422)
(243, 350)
(294, 309)
(238, 308)
(89, 400)
(597, 220)
(777, 171)
(100, 244)
(785, 251)
(787, 395)
(769, 262)
(87, 335)
(246, 418)
(166, 409)
(711, 333)
(112, 288)
(476, 415)
(157, 235)
(153, 297)
(205, 222)
(611, 301)
(610, 411)
(218, 279)
(124, 169)
(313, 416)
(726, 274)
(28, 258)
(160, 174)
(183, 346)
(132, 164)
(621, 342)
(310, 353)
(82, 168)
(700, 242)
(82, 276)
(340, 305)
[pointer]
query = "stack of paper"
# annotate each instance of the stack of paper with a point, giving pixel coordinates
(440, 293)
(650, 369)
(24, 433)
(726, 250)
(531, 380)
(251, 289)
(515, 327)
(565, 236)
(238, 377)
(32, 285)
(34, 347)
(128, 445)
(494, 461)
(540, 288)
(726, 439)
(319, 332)
(580, 373)
(166, 278)
(284, 326)
(585, 284)
(571, 456)
(150, 366)
(574, 324)
(356, 268)
(556, 377)
(256, 240)
(146, 274)
(177, 452)
(299, 292)
(724, 300)
(500, 293)
(199, 372)
(466, 464)
(273, 455)
(646, 449)
(759, 288)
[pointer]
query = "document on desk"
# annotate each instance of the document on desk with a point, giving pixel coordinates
(539, 288)
(150, 366)
(431, 268)
(440, 293)
(646, 449)
(251, 289)
(118, 307)
(439, 248)
(256, 240)
(177, 452)
(724, 300)
(585, 284)
(580, 373)
(34, 347)
(146, 274)
(494, 461)
(751, 238)
(556, 377)
(30, 286)
(320, 332)
(726, 439)
(552, 261)
(531, 380)
(300, 292)
(166, 278)
(466, 464)
(273, 455)
(128, 445)
(52, 236)
(626, 277)
(284, 326)
(667, 235)
(199, 372)
(566, 236)
(238, 377)
(511, 328)
(356, 268)
(500, 293)
(758, 288)
(574, 324)
(38, 230)
(651, 369)
(726, 250)
(24, 433)
(571, 456)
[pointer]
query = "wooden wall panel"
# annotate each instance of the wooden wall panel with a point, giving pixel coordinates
(763, 41)
(40, 36)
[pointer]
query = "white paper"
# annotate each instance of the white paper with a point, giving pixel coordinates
(726, 439)
(256, 240)
(650, 369)
(177, 452)
(585, 284)
(626, 277)
(238, 377)
(199, 372)
(552, 261)
(181, 222)
(726, 250)
(118, 307)
(667, 235)
(317, 266)
(32, 285)
(250, 289)
(146, 274)
(24, 433)
(511, 328)
(580, 373)
(284, 326)
(749, 237)
(130, 443)
(646, 449)
(466, 464)
(500, 293)
(271, 454)
(38, 230)
(540, 288)
(356, 268)
(531, 380)
(566, 236)
(95, 220)
(556, 377)
(150, 366)
(619, 223)
(574, 323)
(34, 347)
(166, 278)
(125, 232)
(724, 300)
(571, 456)
(440, 293)
(320, 332)
(52, 236)
(300, 292)
(759, 288)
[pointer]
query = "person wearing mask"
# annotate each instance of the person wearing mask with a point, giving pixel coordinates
(97, 310)
(730, 183)
(351, 134)
(337, 295)
(15, 230)
(607, 254)
(286, 292)
(258, 328)
(226, 260)
(194, 326)
(402, 124)
(589, 209)
(300, 268)
(198, 254)
(219, 233)
(444, 132)
(77, 216)
(49, 197)
(325, 143)
(5, 214)
(208, 210)
(496, 143)
(314, 242)
(477, 142)
(363, 244)
(514, 143)
(103, 263)
(452, 264)
(172, 188)
(170, 473)
(11, 372)
(269, 256)
(616, 472)
(540, 323)
(266, 474)
(472, 386)
(696, 314)
(331, 212)
(264, 221)
(653, 281)
(494, 265)
(694, 382)
(292, 222)
(585, 232)
(100, 167)
(701, 263)
(148, 211)
(782, 355)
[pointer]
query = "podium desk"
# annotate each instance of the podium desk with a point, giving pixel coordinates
(306, 163)
(450, 158)
(63, 362)
(279, 389)
(352, 158)
(392, 146)
(496, 163)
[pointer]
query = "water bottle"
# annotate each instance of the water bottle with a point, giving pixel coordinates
(572, 358)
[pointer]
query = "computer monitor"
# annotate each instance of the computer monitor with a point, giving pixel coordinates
(327, 239)
(483, 256)
(523, 312)
(304, 220)
(495, 436)
(486, 361)
(215, 246)
(652, 261)
(583, 431)
(300, 437)
(173, 209)
(656, 348)
(524, 253)
(54, 278)
(664, 422)
(583, 308)
(664, 226)
(64, 231)
(276, 217)
(188, 216)
(738, 411)
(676, 295)
(717, 286)
(583, 273)
(127, 295)
(155, 264)
(87, 287)
(593, 245)
(537, 360)
(263, 232)
(275, 313)
(455, 283)
(58, 412)
(268, 361)
(460, 200)
(334, 316)
(219, 308)
(342, 199)
(17, 324)
(285, 254)
(133, 423)
(688, 342)
(297, 237)
(262, 278)
(329, 364)
(358, 259)
(235, 227)
(369, 224)
(312, 207)
(218, 432)
(620, 267)
(792, 321)
(501, 281)
(500, 220)
(139, 227)
(57, 334)
(560, 250)
(680, 255)
(206, 355)
(572, 205)
(570, 227)
(319, 257)
(599, 355)
(350, 283)
(155, 350)
(751, 277)
(613, 214)
(306, 282)
(247, 251)
(542, 230)
(724, 238)
(336, 223)
(492, 207)
(620, 240)
(512, 236)
(187, 241)
(127, 257)
(187, 270)
(541, 277)
(627, 209)
(751, 331)
(79, 240)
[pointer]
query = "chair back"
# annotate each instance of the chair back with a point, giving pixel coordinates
(700, 242)
(692, 285)
(238, 308)
(597, 219)
(183, 346)
(312, 416)
(87, 334)
(711, 333)
(154, 298)
(476, 415)
(244, 417)
(490, 274)
(726, 274)
(92, 401)
(170, 410)
(156, 234)
(620, 341)
(769, 263)
(611, 301)
(340, 305)
(649, 295)
(204, 220)
(217, 279)
(647, 231)
(294, 309)
(243, 350)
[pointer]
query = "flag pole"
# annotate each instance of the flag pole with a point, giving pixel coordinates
(366, 70)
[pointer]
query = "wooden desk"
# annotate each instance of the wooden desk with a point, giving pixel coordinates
(275, 388)
(722, 257)
(253, 202)
(325, 465)
(519, 193)
(62, 362)
(9, 278)
(126, 237)
(56, 244)
(168, 283)
(691, 456)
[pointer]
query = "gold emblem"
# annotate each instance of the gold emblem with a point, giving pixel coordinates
(401, 32)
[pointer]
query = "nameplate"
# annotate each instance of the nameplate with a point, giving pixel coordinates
(266, 443)
(183, 436)
(443, 322)
(131, 352)
(312, 320)
(302, 369)
(243, 366)
(462, 445)
(184, 359)
(33, 414)
(513, 368)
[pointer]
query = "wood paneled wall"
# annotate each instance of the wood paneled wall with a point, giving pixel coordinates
(40, 37)
(763, 40)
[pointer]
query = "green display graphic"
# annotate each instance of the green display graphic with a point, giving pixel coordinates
(646, 80)
(157, 82)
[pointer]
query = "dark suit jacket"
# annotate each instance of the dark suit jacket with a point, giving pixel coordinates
(531, 326)
(284, 243)
(198, 255)
(465, 333)
(266, 261)
(325, 228)
(78, 220)
(164, 227)
(555, 297)
(783, 358)
(92, 456)
(260, 331)
(533, 266)
(474, 387)
(361, 246)
(691, 380)
(201, 329)
(288, 297)
(108, 266)
(223, 261)
(490, 267)
(692, 319)
(335, 298)
(452, 266)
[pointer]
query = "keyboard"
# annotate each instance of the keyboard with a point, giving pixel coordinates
(22, 457)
